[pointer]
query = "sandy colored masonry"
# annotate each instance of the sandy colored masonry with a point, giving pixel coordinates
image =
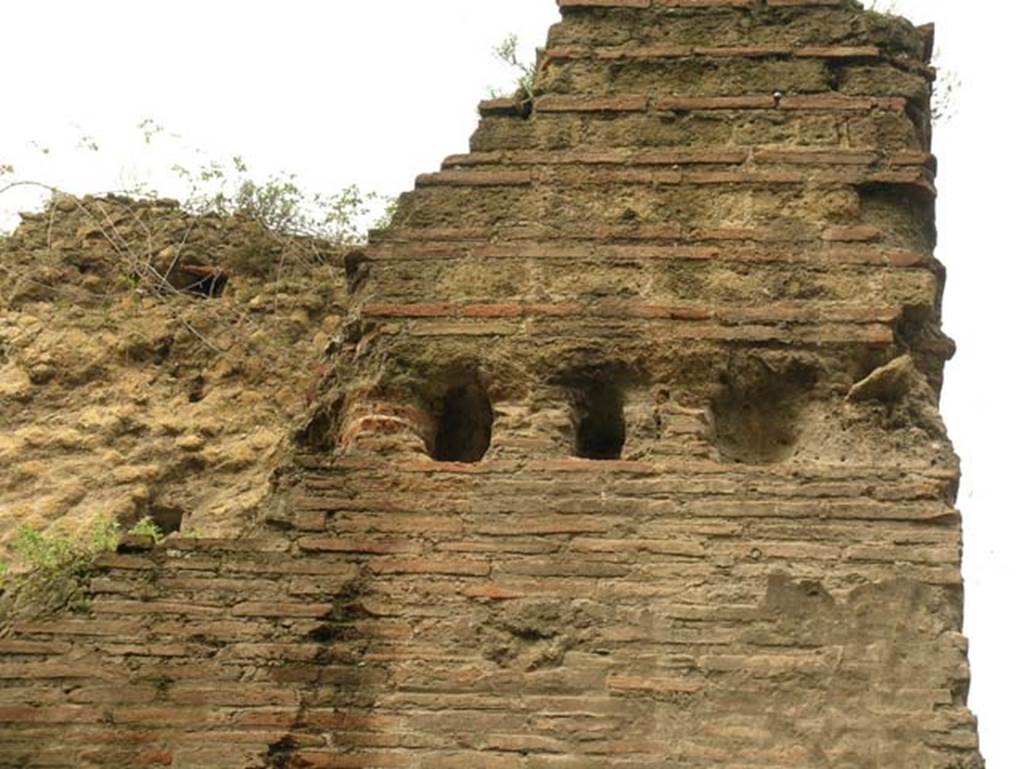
(619, 449)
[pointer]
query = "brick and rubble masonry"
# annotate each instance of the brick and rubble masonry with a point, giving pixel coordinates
(723, 211)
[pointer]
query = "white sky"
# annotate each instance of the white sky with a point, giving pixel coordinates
(375, 93)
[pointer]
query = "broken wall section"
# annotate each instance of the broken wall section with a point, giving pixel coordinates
(154, 363)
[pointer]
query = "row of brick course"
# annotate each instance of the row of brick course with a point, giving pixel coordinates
(681, 52)
(889, 131)
(699, 4)
(651, 241)
(726, 206)
(781, 313)
(831, 103)
(780, 84)
(448, 244)
(872, 334)
(743, 24)
(725, 156)
(489, 178)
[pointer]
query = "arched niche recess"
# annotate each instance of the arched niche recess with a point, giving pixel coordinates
(464, 419)
(757, 412)
(598, 420)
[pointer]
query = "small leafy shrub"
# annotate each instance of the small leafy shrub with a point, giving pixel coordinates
(53, 569)
(508, 51)
(147, 528)
(58, 552)
(279, 203)
(210, 184)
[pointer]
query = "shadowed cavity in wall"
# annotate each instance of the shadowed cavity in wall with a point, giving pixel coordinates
(207, 282)
(757, 411)
(167, 518)
(464, 420)
(598, 420)
(320, 431)
(357, 270)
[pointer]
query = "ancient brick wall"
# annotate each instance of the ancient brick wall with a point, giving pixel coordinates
(631, 455)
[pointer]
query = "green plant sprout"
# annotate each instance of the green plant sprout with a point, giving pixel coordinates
(53, 568)
(146, 527)
(507, 51)
(228, 187)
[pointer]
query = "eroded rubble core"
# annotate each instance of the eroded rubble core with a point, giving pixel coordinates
(628, 454)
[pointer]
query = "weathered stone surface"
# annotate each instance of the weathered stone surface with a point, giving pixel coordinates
(120, 396)
(629, 455)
